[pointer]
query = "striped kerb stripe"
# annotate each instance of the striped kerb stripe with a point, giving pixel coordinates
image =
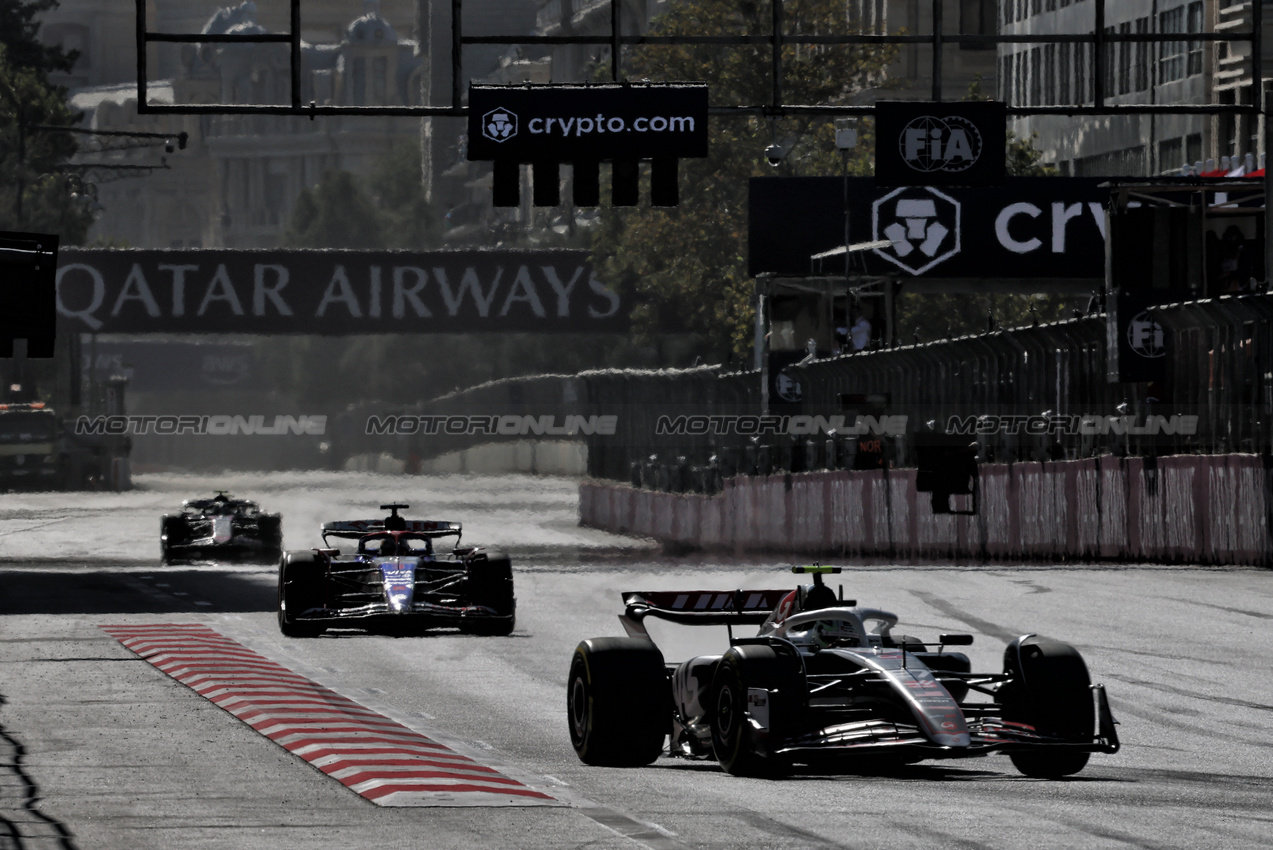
(378, 758)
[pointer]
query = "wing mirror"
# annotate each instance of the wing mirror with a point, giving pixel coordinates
(956, 640)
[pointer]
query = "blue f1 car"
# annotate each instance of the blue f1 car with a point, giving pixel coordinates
(395, 580)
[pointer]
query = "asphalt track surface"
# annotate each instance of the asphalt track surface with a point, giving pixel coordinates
(100, 749)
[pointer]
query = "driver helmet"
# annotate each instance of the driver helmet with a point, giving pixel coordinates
(388, 546)
(828, 633)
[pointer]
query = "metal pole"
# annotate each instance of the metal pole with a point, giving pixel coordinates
(296, 53)
(1261, 103)
(777, 52)
(457, 62)
(937, 49)
(615, 45)
(1098, 61)
(141, 53)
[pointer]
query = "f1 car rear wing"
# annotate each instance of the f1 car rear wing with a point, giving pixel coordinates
(353, 529)
(699, 607)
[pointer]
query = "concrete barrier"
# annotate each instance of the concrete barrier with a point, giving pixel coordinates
(1186, 509)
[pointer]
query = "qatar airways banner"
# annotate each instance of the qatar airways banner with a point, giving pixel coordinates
(332, 292)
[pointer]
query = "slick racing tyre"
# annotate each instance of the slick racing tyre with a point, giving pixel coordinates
(740, 747)
(488, 581)
(618, 702)
(270, 527)
(301, 580)
(172, 531)
(1050, 690)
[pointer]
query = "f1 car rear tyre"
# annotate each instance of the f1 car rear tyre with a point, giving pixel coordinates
(1051, 691)
(739, 747)
(270, 527)
(301, 576)
(488, 581)
(618, 702)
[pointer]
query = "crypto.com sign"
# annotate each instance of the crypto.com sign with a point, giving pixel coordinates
(568, 123)
(332, 292)
(1029, 227)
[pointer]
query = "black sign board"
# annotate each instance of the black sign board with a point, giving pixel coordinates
(1029, 227)
(1136, 345)
(27, 265)
(332, 292)
(569, 123)
(940, 144)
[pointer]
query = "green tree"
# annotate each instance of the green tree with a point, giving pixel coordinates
(36, 191)
(396, 183)
(384, 209)
(336, 213)
(684, 268)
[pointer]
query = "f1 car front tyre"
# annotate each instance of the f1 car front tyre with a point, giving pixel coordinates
(488, 582)
(172, 530)
(1050, 690)
(300, 587)
(740, 747)
(618, 702)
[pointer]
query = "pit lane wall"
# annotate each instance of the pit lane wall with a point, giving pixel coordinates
(1183, 509)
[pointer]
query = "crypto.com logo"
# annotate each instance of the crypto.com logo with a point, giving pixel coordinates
(499, 125)
(949, 144)
(921, 222)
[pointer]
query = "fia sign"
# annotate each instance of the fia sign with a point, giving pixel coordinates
(940, 144)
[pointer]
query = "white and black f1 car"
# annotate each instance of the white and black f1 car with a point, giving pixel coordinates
(222, 528)
(394, 580)
(826, 681)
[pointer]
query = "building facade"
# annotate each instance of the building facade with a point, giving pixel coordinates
(1173, 71)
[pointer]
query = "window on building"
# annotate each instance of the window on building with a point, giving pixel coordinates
(1124, 52)
(977, 17)
(1171, 154)
(1193, 147)
(1063, 75)
(1036, 78)
(379, 85)
(1140, 67)
(358, 85)
(1195, 24)
(1049, 73)
(1171, 54)
(1082, 62)
(1005, 78)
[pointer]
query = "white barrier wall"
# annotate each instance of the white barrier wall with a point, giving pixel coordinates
(1188, 509)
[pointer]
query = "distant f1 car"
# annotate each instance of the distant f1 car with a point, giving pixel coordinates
(222, 528)
(826, 681)
(395, 581)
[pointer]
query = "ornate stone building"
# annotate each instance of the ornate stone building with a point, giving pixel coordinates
(235, 183)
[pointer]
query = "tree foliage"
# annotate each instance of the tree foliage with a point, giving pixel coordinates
(684, 268)
(37, 192)
(384, 209)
